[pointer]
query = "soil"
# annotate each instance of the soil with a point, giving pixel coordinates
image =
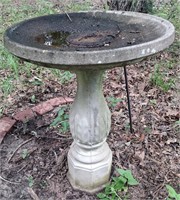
(33, 154)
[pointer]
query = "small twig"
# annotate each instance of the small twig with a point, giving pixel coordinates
(156, 192)
(56, 157)
(19, 158)
(51, 176)
(60, 161)
(25, 142)
(68, 16)
(9, 181)
(63, 135)
(154, 160)
(21, 168)
(32, 194)
(62, 157)
(53, 138)
(160, 187)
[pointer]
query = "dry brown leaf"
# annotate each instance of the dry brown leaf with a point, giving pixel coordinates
(140, 155)
(171, 140)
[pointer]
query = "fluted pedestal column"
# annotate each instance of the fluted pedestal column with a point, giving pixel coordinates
(89, 158)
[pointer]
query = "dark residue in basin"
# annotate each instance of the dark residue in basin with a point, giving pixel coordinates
(83, 33)
(89, 39)
(57, 38)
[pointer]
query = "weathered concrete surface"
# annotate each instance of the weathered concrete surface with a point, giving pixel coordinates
(52, 57)
(89, 158)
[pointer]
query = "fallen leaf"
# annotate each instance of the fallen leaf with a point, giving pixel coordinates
(171, 140)
(140, 155)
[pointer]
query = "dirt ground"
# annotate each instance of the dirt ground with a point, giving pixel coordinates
(33, 154)
(151, 152)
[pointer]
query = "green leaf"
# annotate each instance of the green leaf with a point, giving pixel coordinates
(113, 197)
(30, 181)
(61, 112)
(121, 171)
(108, 189)
(120, 183)
(122, 180)
(59, 118)
(24, 153)
(66, 116)
(128, 175)
(65, 126)
(119, 186)
(171, 191)
(101, 195)
(132, 181)
(177, 196)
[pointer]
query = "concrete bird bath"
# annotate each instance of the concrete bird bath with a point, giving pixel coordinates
(88, 43)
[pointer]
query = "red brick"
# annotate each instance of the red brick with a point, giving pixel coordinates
(68, 99)
(43, 108)
(6, 124)
(57, 101)
(24, 115)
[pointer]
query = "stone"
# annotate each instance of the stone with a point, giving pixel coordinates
(57, 101)
(6, 124)
(42, 108)
(68, 99)
(24, 115)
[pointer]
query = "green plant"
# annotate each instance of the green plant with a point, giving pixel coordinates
(7, 86)
(85, 5)
(158, 78)
(61, 120)
(1, 111)
(43, 184)
(168, 11)
(127, 126)
(172, 194)
(33, 98)
(30, 181)
(177, 127)
(177, 123)
(65, 77)
(118, 184)
(147, 129)
(113, 101)
(24, 153)
(153, 101)
(11, 13)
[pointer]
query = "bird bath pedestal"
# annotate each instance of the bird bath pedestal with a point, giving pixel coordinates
(88, 43)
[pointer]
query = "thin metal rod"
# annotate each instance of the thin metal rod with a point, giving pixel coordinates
(128, 98)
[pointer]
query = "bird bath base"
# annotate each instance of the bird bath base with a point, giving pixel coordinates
(90, 157)
(85, 174)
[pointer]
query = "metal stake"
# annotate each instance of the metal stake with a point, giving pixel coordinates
(128, 98)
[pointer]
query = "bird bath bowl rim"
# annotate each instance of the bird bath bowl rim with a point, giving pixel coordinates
(107, 57)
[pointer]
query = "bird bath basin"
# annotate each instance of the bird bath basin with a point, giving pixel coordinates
(88, 43)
